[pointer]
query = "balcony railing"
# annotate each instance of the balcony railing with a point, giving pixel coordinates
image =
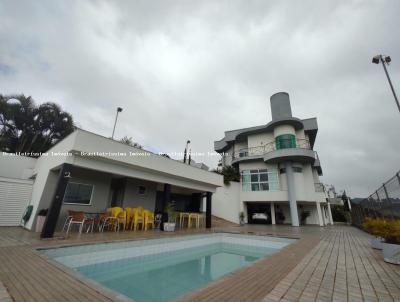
(261, 150)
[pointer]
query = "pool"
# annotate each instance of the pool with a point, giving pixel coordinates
(164, 269)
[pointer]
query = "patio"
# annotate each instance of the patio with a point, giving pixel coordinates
(326, 264)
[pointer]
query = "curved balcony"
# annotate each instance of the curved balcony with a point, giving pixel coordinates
(296, 150)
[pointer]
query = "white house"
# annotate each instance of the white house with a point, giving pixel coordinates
(279, 171)
(89, 172)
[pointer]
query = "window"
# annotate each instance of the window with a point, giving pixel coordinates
(297, 169)
(260, 180)
(77, 193)
(141, 190)
(285, 141)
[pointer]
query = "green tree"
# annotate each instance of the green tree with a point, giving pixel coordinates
(129, 141)
(26, 127)
(230, 173)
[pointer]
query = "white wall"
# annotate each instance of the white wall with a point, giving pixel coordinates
(15, 166)
(226, 203)
(284, 129)
(260, 139)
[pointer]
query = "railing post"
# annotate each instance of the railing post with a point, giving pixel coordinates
(389, 200)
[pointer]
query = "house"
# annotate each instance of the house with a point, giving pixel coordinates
(88, 172)
(279, 169)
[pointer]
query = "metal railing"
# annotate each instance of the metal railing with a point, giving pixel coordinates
(261, 150)
(383, 203)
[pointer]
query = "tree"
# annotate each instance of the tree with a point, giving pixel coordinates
(128, 141)
(25, 127)
(230, 173)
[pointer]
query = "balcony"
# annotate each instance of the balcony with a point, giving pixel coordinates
(279, 151)
(319, 187)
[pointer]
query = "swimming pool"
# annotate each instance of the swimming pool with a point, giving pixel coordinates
(164, 269)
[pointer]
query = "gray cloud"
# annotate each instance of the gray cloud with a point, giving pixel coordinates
(193, 69)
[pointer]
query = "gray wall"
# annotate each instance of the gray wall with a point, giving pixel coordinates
(16, 166)
(132, 198)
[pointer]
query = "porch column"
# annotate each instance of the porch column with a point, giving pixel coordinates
(56, 201)
(165, 201)
(323, 215)
(273, 213)
(208, 209)
(321, 222)
(330, 214)
(292, 194)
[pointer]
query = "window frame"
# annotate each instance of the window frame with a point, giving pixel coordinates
(247, 186)
(79, 204)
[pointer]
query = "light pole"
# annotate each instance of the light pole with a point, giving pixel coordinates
(119, 109)
(386, 60)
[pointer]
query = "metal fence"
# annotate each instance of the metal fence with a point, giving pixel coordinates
(383, 203)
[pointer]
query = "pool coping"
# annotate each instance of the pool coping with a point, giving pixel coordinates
(116, 296)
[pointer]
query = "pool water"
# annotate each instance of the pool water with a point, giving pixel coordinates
(170, 272)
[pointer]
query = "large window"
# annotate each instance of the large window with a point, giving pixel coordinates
(260, 180)
(77, 193)
(285, 141)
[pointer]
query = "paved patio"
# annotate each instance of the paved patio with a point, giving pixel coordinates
(326, 264)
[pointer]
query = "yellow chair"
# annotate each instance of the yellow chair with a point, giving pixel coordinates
(148, 219)
(137, 218)
(129, 217)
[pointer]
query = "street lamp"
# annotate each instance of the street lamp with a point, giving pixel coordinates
(119, 109)
(385, 60)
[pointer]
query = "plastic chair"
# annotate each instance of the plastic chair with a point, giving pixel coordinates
(182, 218)
(137, 218)
(109, 220)
(148, 219)
(129, 217)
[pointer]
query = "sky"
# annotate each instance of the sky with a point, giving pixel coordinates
(194, 69)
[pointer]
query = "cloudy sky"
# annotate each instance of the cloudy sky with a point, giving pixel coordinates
(193, 69)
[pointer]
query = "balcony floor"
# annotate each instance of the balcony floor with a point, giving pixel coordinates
(326, 264)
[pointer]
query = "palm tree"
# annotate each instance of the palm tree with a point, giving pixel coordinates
(24, 127)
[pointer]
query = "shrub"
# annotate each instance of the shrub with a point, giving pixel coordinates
(339, 214)
(389, 229)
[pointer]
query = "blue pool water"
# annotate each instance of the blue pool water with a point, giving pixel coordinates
(164, 275)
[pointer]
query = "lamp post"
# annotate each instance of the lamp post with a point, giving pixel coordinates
(186, 149)
(385, 60)
(119, 109)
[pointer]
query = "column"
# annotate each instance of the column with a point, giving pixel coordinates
(165, 201)
(323, 215)
(330, 214)
(273, 213)
(321, 222)
(292, 194)
(56, 201)
(208, 210)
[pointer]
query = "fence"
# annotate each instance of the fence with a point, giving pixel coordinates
(383, 203)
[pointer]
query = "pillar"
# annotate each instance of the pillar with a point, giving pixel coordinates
(321, 222)
(208, 210)
(323, 215)
(292, 194)
(273, 213)
(56, 201)
(330, 214)
(165, 201)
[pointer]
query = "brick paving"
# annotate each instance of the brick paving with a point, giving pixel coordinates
(325, 264)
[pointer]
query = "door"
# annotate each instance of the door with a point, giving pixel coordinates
(15, 196)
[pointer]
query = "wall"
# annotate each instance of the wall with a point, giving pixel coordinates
(260, 139)
(284, 129)
(14, 166)
(100, 196)
(225, 202)
(132, 198)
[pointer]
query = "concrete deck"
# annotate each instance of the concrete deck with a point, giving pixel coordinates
(326, 264)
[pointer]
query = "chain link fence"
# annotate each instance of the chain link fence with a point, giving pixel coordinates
(383, 203)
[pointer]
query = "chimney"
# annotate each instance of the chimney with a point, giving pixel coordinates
(280, 106)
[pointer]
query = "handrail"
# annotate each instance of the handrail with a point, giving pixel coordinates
(263, 149)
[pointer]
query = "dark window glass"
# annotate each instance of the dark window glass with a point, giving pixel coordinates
(297, 169)
(285, 141)
(254, 177)
(282, 170)
(255, 187)
(264, 186)
(142, 190)
(264, 177)
(78, 193)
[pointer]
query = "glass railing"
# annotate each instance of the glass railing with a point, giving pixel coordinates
(272, 146)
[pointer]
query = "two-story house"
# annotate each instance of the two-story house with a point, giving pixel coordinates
(279, 168)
